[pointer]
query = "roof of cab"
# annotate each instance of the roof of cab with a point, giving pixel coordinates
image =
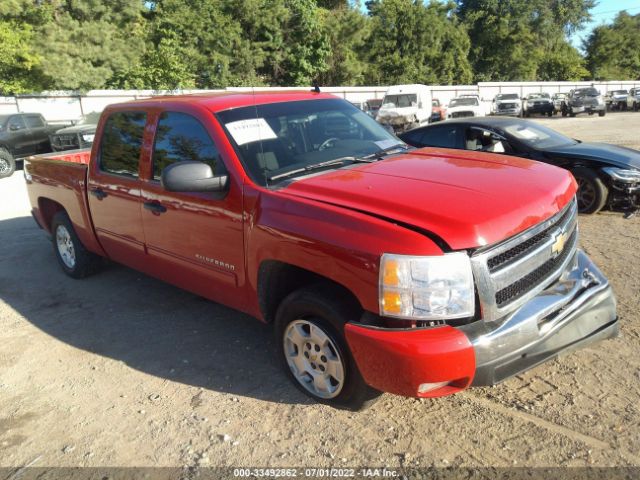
(219, 101)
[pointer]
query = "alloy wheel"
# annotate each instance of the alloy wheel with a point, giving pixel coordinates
(65, 247)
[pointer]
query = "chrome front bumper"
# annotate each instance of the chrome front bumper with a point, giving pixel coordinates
(579, 308)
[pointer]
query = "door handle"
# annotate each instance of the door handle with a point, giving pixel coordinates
(98, 193)
(155, 207)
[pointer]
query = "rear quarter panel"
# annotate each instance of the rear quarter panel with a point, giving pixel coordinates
(56, 182)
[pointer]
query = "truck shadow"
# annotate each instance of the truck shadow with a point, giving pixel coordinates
(147, 324)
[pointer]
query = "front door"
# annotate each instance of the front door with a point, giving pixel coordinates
(114, 188)
(20, 136)
(193, 240)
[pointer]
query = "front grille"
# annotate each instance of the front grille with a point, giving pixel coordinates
(520, 250)
(65, 141)
(511, 272)
(462, 114)
(506, 106)
(533, 279)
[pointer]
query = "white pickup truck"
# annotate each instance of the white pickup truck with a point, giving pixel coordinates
(405, 107)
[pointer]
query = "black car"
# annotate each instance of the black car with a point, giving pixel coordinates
(79, 135)
(607, 175)
(21, 135)
(537, 103)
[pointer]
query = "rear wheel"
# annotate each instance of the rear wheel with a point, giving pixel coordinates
(73, 257)
(7, 163)
(592, 192)
(309, 330)
(635, 106)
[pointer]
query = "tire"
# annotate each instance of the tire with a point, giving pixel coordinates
(602, 113)
(319, 318)
(7, 163)
(75, 260)
(592, 192)
(550, 114)
(571, 112)
(635, 106)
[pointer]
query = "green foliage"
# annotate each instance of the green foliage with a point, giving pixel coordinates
(181, 44)
(522, 40)
(411, 42)
(612, 50)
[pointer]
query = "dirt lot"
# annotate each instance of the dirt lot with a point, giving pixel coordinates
(123, 370)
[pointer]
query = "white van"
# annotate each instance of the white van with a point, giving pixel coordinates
(405, 107)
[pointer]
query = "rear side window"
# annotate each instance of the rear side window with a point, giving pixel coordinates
(180, 137)
(121, 143)
(34, 121)
(445, 137)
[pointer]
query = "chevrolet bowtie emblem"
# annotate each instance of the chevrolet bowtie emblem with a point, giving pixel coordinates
(558, 244)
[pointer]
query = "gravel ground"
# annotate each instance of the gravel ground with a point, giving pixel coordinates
(123, 370)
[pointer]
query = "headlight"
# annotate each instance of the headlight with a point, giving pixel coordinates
(621, 175)
(426, 288)
(88, 137)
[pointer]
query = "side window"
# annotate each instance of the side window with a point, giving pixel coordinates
(16, 123)
(180, 137)
(34, 121)
(444, 136)
(121, 143)
(485, 141)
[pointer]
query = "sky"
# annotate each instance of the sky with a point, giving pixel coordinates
(604, 12)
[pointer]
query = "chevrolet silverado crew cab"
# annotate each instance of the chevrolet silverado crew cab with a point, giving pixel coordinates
(381, 267)
(21, 135)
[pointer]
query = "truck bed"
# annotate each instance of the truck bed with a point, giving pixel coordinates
(61, 176)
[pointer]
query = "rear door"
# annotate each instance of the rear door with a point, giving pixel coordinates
(39, 134)
(447, 135)
(114, 187)
(193, 240)
(20, 138)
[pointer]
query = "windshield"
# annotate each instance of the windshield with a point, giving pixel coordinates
(619, 92)
(460, 102)
(507, 96)
(89, 119)
(276, 138)
(537, 136)
(400, 101)
(586, 92)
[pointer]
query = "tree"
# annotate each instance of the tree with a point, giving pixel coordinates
(411, 42)
(524, 39)
(612, 50)
(86, 42)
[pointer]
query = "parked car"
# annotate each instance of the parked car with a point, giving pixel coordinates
(465, 106)
(559, 102)
(584, 100)
(633, 99)
(374, 105)
(537, 103)
(21, 135)
(381, 268)
(507, 104)
(607, 175)
(438, 111)
(76, 136)
(616, 100)
(405, 107)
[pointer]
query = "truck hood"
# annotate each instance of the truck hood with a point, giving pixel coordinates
(467, 199)
(397, 112)
(464, 108)
(602, 153)
(83, 128)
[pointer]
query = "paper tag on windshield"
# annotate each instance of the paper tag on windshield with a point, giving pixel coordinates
(251, 130)
(387, 143)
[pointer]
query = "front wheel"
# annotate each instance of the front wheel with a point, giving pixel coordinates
(7, 163)
(73, 257)
(601, 113)
(309, 330)
(592, 192)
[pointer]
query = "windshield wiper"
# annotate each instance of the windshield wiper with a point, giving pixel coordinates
(386, 151)
(316, 166)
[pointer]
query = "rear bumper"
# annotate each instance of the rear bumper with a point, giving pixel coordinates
(576, 310)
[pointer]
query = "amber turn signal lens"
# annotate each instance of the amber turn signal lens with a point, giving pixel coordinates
(390, 275)
(392, 302)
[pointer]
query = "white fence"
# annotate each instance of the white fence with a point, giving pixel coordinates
(67, 106)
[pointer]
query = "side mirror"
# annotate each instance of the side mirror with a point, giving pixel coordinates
(14, 126)
(192, 177)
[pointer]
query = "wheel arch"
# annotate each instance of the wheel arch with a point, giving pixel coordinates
(48, 208)
(277, 279)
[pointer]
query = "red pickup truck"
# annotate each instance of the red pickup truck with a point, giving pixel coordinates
(381, 267)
